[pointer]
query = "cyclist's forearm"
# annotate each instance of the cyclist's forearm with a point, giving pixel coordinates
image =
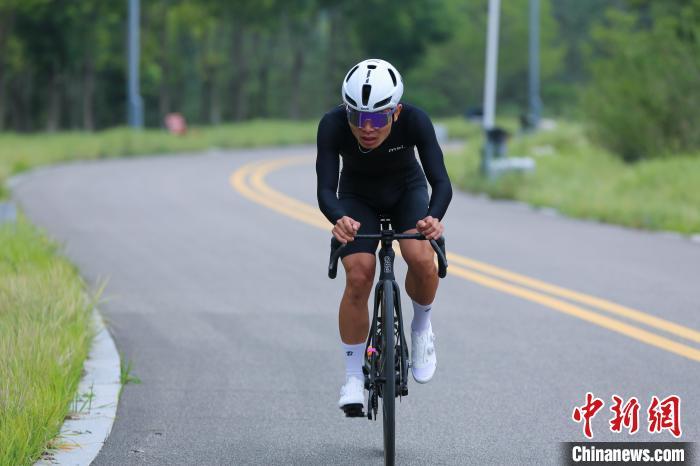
(330, 205)
(440, 199)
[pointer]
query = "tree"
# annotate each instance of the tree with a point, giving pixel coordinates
(449, 78)
(642, 100)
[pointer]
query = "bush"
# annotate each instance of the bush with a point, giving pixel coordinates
(643, 96)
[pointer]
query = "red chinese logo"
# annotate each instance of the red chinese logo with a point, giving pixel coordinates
(586, 412)
(625, 416)
(665, 415)
(662, 414)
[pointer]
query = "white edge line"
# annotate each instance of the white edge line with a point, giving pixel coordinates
(82, 436)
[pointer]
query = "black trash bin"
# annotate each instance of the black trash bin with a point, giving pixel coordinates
(497, 138)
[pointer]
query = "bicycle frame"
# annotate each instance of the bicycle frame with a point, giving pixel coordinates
(387, 280)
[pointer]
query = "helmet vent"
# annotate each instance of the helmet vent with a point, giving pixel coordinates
(381, 103)
(371, 67)
(366, 89)
(350, 99)
(393, 76)
(351, 72)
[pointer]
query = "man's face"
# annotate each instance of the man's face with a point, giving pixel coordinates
(371, 137)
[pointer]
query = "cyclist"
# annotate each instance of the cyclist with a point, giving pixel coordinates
(375, 134)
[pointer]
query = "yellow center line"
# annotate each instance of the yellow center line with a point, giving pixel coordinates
(266, 167)
(257, 181)
(238, 181)
(599, 303)
(576, 311)
(279, 202)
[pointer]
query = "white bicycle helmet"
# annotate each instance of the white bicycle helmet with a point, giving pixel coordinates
(372, 85)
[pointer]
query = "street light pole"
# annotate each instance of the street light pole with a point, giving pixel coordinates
(490, 149)
(135, 102)
(534, 84)
(491, 64)
(494, 160)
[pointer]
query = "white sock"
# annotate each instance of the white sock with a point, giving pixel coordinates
(421, 316)
(353, 360)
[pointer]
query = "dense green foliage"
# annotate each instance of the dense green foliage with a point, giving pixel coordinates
(63, 66)
(449, 78)
(45, 334)
(630, 66)
(580, 178)
(634, 63)
(62, 63)
(643, 100)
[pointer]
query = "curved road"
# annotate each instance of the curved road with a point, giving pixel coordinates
(216, 291)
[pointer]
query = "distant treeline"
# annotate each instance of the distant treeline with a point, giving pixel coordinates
(63, 62)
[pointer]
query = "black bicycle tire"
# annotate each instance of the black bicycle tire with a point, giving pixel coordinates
(389, 374)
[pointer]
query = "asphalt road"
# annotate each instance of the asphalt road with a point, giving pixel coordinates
(216, 292)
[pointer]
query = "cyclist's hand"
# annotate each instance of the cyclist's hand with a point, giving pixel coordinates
(430, 227)
(345, 229)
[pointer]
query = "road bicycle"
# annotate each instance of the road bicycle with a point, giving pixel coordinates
(386, 361)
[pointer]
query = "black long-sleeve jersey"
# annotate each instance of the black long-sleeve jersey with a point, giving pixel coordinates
(386, 169)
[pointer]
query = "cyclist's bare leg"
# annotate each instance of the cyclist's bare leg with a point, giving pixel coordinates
(353, 317)
(421, 278)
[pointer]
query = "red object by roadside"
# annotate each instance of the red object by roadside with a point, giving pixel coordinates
(176, 123)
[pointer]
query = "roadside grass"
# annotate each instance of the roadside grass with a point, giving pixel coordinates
(45, 335)
(460, 128)
(20, 152)
(126, 375)
(580, 179)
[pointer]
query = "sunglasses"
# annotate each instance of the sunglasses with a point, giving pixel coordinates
(376, 119)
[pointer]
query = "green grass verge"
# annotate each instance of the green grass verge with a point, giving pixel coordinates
(459, 128)
(45, 335)
(20, 152)
(581, 179)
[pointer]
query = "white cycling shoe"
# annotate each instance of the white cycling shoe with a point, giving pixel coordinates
(352, 395)
(423, 359)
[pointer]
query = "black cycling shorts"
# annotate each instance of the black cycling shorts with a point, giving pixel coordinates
(404, 208)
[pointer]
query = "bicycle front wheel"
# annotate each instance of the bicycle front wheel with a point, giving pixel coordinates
(389, 373)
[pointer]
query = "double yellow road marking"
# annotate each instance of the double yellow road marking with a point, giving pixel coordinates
(249, 180)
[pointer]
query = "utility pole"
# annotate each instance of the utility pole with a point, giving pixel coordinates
(491, 64)
(534, 84)
(494, 159)
(135, 103)
(491, 146)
